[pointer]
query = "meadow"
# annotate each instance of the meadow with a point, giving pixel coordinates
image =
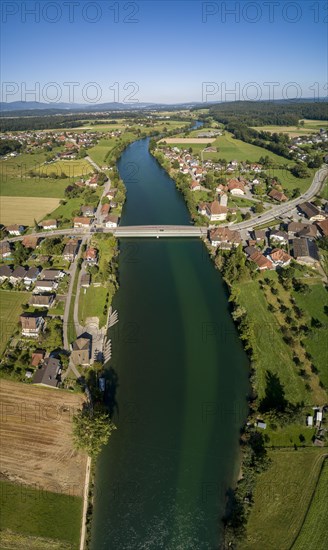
(71, 168)
(313, 534)
(309, 127)
(24, 210)
(281, 500)
(10, 309)
(40, 513)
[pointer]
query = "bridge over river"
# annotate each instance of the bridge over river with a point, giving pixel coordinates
(160, 231)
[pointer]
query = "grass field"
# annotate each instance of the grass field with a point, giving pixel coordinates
(282, 496)
(98, 152)
(310, 127)
(36, 438)
(91, 304)
(72, 168)
(10, 309)
(273, 353)
(25, 210)
(289, 181)
(316, 344)
(229, 148)
(289, 435)
(314, 534)
(35, 512)
(17, 541)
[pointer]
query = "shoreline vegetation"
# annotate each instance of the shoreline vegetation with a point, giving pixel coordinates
(267, 400)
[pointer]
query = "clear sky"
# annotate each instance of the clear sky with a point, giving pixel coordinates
(171, 51)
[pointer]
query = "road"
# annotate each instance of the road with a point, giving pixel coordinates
(72, 272)
(283, 209)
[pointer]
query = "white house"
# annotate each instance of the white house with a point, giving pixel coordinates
(215, 212)
(111, 221)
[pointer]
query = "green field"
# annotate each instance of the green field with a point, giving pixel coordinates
(316, 344)
(288, 181)
(91, 304)
(72, 168)
(15, 541)
(98, 152)
(230, 148)
(273, 354)
(314, 533)
(38, 513)
(281, 500)
(310, 127)
(289, 435)
(10, 310)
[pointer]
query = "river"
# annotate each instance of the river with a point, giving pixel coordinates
(178, 377)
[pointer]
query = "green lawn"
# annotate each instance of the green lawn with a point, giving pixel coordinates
(314, 532)
(10, 309)
(98, 152)
(288, 181)
(72, 168)
(282, 496)
(316, 344)
(91, 304)
(33, 187)
(34, 512)
(273, 353)
(289, 435)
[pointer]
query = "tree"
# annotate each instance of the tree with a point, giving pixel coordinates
(258, 208)
(92, 430)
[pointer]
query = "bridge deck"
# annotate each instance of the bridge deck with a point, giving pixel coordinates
(160, 231)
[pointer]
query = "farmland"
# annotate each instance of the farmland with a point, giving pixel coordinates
(309, 127)
(282, 496)
(10, 309)
(25, 210)
(34, 512)
(37, 425)
(228, 148)
(313, 535)
(17, 541)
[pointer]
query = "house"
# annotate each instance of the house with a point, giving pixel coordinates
(48, 224)
(224, 237)
(259, 235)
(260, 424)
(85, 280)
(15, 229)
(111, 193)
(305, 251)
(48, 374)
(279, 257)
(52, 274)
(215, 212)
(32, 324)
(5, 272)
(17, 275)
(82, 222)
(29, 241)
(70, 250)
(111, 221)
(261, 261)
(311, 211)
(202, 208)
(31, 275)
(295, 227)
(277, 195)
(87, 211)
(41, 301)
(37, 357)
(323, 227)
(5, 250)
(279, 236)
(195, 186)
(81, 351)
(105, 209)
(91, 255)
(236, 187)
(45, 286)
(310, 231)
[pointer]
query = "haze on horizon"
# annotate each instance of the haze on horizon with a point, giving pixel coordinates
(162, 52)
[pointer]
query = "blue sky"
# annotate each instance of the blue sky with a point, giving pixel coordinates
(171, 51)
